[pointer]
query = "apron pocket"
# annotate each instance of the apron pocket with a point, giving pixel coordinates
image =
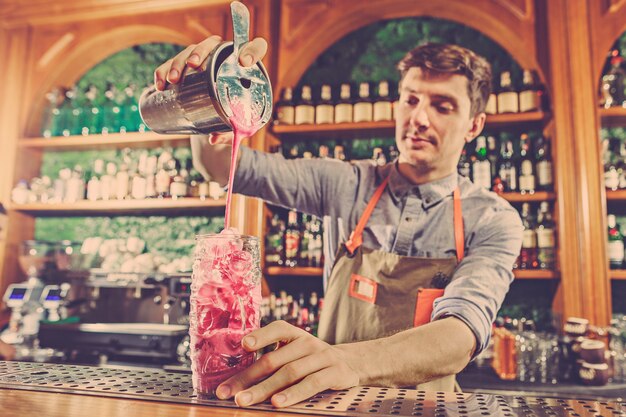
(363, 288)
(424, 304)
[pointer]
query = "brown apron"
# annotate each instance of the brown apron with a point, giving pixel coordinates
(378, 294)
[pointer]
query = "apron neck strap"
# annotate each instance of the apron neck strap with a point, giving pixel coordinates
(459, 230)
(356, 238)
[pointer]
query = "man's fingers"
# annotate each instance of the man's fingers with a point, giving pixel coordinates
(197, 57)
(289, 374)
(178, 65)
(312, 384)
(253, 52)
(194, 56)
(267, 365)
(276, 331)
(160, 74)
(221, 138)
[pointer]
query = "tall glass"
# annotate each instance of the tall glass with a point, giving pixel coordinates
(225, 302)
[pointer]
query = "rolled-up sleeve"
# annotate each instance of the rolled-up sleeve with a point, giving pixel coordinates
(483, 277)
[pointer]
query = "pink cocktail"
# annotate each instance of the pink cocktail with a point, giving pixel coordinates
(225, 301)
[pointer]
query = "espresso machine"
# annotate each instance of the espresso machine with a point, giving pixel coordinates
(25, 301)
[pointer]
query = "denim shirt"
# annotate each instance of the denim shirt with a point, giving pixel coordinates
(409, 220)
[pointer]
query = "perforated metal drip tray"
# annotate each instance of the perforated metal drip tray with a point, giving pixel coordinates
(156, 385)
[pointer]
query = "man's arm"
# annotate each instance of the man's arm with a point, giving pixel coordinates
(305, 365)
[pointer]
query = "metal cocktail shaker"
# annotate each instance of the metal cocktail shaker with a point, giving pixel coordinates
(201, 101)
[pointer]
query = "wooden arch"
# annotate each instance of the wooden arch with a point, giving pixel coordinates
(508, 22)
(608, 24)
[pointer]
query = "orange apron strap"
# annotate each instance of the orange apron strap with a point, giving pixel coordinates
(459, 231)
(356, 237)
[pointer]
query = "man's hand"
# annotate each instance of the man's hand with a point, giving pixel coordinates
(301, 367)
(195, 56)
(7, 352)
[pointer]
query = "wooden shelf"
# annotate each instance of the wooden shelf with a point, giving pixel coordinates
(617, 195)
(613, 116)
(311, 272)
(301, 271)
(535, 274)
(110, 141)
(617, 274)
(119, 207)
(348, 130)
(522, 198)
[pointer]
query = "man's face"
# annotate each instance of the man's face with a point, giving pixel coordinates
(433, 122)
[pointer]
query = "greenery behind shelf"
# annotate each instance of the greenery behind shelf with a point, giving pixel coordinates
(167, 236)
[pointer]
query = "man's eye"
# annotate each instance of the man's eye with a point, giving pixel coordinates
(411, 101)
(445, 109)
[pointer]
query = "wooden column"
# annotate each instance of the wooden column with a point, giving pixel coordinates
(582, 238)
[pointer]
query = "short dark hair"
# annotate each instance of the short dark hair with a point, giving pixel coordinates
(441, 58)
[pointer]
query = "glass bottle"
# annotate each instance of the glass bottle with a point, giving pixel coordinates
(304, 110)
(507, 96)
(546, 250)
(383, 109)
(616, 243)
(92, 122)
(344, 107)
(285, 110)
(111, 110)
(51, 119)
(528, 253)
(292, 239)
(527, 176)
(274, 242)
(492, 155)
(363, 108)
(530, 94)
(324, 110)
(481, 167)
(507, 171)
(543, 164)
(464, 167)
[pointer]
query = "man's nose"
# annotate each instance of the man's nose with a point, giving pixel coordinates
(419, 116)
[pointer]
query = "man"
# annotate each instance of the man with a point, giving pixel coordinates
(401, 234)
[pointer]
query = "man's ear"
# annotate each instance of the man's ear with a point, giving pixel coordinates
(478, 123)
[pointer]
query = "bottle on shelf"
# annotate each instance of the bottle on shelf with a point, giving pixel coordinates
(51, 120)
(108, 183)
(530, 95)
(139, 180)
(65, 110)
(543, 164)
(344, 107)
(481, 167)
(528, 253)
(76, 116)
(325, 110)
(304, 109)
(92, 123)
(527, 176)
(111, 110)
(305, 241)
(546, 248)
(363, 107)
(292, 239)
(507, 96)
(383, 108)
(285, 109)
(94, 186)
(379, 156)
(316, 254)
(130, 118)
(339, 153)
(507, 171)
(613, 84)
(75, 190)
(122, 182)
(492, 155)
(616, 243)
(274, 242)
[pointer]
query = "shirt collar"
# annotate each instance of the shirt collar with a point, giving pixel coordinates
(430, 193)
